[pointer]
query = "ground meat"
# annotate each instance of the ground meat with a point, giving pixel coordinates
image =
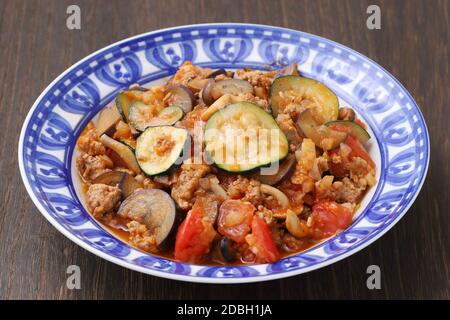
(186, 72)
(102, 199)
(148, 183)
(141, 237)
(260, 80)
(265, 214)
(90, 167)
(262, 102)
(187, 181)
(344, 191)
(247, 190)
(347, 191)
(90, 143)
(290, 130)
(289, 243)
(356, 168)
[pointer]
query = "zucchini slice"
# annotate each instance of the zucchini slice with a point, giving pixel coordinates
(167, 117)
(130, 143)
(159, 148)
(141, 116)
(324, 102)
(242, 136)
(350, 127)
(123, 103)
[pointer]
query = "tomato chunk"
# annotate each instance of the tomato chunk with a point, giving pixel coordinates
(328, 218)
(261, 242)
(358, 150)
(194, 237)
(235, 219)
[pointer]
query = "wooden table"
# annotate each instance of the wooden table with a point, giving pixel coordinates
(36, 46)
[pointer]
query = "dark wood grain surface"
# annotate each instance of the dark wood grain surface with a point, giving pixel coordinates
(413, 44)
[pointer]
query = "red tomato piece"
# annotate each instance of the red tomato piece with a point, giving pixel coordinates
(235, 219)
(261, 242)
(328, 218)
(358, 150)
(194, 237)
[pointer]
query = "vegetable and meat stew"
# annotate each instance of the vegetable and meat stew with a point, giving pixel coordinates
(221, 167)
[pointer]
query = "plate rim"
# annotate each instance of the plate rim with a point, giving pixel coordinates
(198, 279)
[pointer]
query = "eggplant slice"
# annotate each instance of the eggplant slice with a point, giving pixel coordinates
(181, 96)
(126, 183)
(286, 166)
(156, 209)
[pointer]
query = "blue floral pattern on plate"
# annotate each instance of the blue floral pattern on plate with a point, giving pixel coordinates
(56, 119)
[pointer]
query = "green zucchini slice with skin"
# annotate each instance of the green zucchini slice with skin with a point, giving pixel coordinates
(123, 103)
(158, 149)
(325, 102)
(129, 143)
(167, 117)
(242, 137)
(140, 117)
(351, 127)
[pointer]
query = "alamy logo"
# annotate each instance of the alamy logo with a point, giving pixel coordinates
(374, 280)
(73, 21)
(74, 280)
(374, 20)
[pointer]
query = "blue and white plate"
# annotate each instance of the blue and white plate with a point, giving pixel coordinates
(400, 143)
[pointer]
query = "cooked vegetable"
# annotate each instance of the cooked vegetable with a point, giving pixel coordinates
(230, 86)
(159, 148)
(220, 103)
(123, 103)
(206, 92)
(216, 73)
(130, 143)
(323, 136)
(129, 185)
(167, 117)
(261, 242)
(290, 70)
(350, 127)
(324, 102)
(180, 96)
(242, 136)
(111, 178)
(284, 169)
(139, 88)
(358, 150)
(295, 226)
(194, 237)
(107, 120)
(197, 84)
(141, 117)
(126, 183)
(277, 194)
(233, 87)
(346, 113)
(227, 252)
(123, 151)
(155, 209)
(235, 219)
(329, 217)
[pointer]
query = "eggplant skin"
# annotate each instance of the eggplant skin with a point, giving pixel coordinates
(226, 250)
(156, 209)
